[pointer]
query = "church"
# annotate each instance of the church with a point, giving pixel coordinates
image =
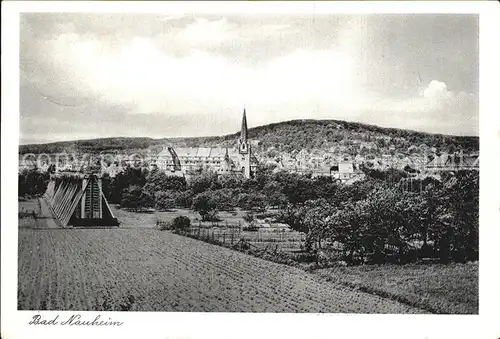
(187, 161)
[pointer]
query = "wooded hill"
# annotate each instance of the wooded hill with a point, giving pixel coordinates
(289, 136)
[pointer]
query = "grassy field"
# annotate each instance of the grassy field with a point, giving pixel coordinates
(269, 236)
(263, 239)
(151, 270)
(137, 267)
(28, 206)
(27, 222)
(450, 289)
(25, 213)
(130, 219)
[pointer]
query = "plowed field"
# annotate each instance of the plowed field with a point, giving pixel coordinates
(150, 270)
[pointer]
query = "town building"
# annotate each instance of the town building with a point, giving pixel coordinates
(453, 162)
(345, 171)
(222, 160)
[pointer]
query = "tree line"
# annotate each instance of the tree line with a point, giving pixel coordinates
(288, 135)
(209, 192)
(388, 224)
(32, 183)
(377, 219)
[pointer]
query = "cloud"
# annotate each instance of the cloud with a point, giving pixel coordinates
(433, 98)
(438, 96)
(139, 73)
(433, 108)
(206, 31)
(281, 68)
(436, 90)
(144, 71)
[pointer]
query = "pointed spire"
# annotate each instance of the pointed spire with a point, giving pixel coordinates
(244, 129)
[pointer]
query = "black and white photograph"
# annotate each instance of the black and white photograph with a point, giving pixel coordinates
(261, 162)
(232, 163)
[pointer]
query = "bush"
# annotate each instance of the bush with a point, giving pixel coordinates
(164, 201)
(181, 224)
(265, 215)
(164, 226)
(249, 217)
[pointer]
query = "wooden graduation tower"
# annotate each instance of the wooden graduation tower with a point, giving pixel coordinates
(76, 199)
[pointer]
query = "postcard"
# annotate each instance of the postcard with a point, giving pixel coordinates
(249, 169)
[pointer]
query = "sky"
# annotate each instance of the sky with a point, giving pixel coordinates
(98, 75)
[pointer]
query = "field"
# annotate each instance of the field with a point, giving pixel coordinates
(28, 206)
(137, 267)
(451, 289)
(26, 211)
(263, 239)
(287, 240)
(149, 270)
(35, 213)
(129, 219)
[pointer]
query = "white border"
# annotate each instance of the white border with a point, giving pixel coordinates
(14, 324)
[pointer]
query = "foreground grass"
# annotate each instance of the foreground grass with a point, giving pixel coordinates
(149, 270)
(450, 289)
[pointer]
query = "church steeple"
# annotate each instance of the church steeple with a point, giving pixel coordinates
(243, 141)
(244, 147)
(244, 129)
(226, 166)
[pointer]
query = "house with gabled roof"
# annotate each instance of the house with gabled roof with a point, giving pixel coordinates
(191, 160)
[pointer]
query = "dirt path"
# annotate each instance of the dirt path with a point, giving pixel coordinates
(45, 218)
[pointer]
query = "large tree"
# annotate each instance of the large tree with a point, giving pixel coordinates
(457, 234)
(123, 180)
(204, 181)
(252, 201)
(135, 198)
(158, 181)
(32, 182)
(204, 203)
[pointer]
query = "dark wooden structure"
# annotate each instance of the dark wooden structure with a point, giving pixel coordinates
(76, 199)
